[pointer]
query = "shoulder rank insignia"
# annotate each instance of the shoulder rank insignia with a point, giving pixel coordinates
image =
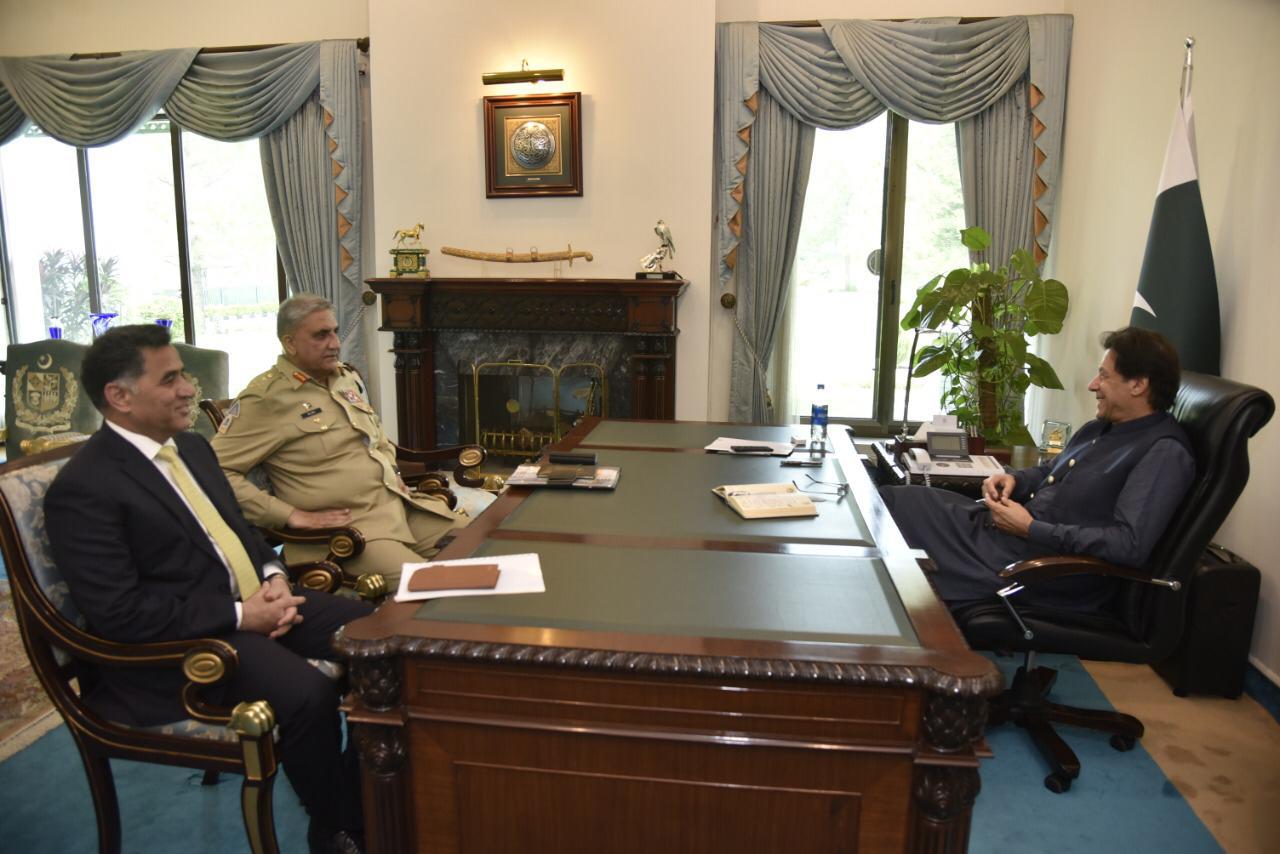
(233, 411)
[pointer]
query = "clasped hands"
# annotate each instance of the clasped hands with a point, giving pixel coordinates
(1007, 515)
(272, 610)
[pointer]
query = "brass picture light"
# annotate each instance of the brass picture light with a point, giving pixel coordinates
(524, 75)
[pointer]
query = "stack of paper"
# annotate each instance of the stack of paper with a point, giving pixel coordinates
(583, 477)
(750, 447)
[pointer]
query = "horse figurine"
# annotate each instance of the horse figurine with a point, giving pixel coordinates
(408, 238)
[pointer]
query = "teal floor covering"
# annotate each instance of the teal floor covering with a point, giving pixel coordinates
(1121, 803)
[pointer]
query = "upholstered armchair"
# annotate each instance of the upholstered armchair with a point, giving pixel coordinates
(1149, 613)
(207, 369)
(64, 655)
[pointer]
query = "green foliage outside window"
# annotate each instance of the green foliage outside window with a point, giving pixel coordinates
(64, 289)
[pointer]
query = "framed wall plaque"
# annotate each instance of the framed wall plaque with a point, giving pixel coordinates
(533, 145)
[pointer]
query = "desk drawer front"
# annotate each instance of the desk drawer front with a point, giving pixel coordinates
(774, 710)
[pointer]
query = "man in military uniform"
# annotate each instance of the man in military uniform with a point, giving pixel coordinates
(308, 423)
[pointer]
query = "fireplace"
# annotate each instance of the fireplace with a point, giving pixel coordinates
(583, 343)
(516, 408)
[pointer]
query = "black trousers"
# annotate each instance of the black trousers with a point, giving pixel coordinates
(305, 702)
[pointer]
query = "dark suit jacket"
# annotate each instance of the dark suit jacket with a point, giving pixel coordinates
(138, 564)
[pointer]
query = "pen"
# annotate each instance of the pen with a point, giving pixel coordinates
(743, 449)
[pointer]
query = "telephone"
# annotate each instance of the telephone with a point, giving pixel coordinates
(918, 461)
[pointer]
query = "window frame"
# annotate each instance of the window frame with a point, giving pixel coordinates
(85, 180)
(884, 421)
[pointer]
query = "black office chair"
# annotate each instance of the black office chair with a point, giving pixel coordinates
(1148, 614)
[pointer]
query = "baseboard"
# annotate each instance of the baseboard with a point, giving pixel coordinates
(1260, 684)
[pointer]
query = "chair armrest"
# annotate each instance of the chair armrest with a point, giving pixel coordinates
(456, 457)
(343, 542)
(83, 646)
(324, 576)
(1040, 569)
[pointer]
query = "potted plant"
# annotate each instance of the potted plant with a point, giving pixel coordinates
(986, 318)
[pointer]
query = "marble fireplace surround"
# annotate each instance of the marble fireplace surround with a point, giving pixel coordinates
(441, 327)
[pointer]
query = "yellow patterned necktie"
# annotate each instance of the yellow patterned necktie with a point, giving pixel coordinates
(221, 533)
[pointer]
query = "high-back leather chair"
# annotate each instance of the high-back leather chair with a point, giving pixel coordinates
(43, 395)
(1148, 615)
(64, 656)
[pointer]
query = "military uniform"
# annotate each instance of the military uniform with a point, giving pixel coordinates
(324, 448)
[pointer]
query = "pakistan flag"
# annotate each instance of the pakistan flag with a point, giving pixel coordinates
(1177, 289)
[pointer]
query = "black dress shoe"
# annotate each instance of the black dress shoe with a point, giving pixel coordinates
(326, 840)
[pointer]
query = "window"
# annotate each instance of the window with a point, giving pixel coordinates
(882, 216)
(161, 224)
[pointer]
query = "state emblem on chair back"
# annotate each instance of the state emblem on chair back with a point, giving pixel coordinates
(43, 394)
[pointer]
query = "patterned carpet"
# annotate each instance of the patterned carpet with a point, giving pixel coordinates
(22, 700)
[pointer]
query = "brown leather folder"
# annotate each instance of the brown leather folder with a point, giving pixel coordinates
(476, 576)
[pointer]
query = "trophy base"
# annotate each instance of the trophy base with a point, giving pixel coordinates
(657, 274)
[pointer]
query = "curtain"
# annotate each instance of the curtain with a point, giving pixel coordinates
(995, 173)
(311, 168)
(845, 73)
(774, 203)
(301, 100)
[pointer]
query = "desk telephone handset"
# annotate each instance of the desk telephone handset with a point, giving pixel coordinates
(918, 460)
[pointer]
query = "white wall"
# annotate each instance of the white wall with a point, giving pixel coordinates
(645, 72)
(1123, 91)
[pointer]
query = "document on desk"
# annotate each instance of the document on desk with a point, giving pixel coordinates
(750, 447)
(520, 573)
(766, 500)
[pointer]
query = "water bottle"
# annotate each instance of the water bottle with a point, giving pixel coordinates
(818, 419)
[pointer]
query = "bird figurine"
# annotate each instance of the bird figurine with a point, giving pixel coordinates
(664, 234)
(653, 261)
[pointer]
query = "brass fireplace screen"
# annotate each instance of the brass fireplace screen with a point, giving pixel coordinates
(518, 408)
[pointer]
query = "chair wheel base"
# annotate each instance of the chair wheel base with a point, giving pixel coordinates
(1058, 782)
(1123, 743)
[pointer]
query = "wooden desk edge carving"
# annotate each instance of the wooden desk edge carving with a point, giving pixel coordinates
(359, 652)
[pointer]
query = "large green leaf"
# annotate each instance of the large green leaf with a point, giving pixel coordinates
(1041, 372)
(975, 238)
(929, 360)
(1018, 435)
(1047, 304)
(1023, 262)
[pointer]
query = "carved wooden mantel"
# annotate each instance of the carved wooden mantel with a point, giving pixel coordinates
(416, 310)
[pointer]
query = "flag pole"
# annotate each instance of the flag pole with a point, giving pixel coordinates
(1185, 89)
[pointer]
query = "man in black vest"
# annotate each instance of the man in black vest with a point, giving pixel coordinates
(148, 534)
(1110, 493)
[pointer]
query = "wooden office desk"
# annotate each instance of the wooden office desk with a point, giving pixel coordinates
(689, 681)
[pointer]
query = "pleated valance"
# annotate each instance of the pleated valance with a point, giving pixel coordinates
(844, 73)
(91, 102)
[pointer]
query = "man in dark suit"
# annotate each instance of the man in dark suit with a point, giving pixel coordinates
(150, 538)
